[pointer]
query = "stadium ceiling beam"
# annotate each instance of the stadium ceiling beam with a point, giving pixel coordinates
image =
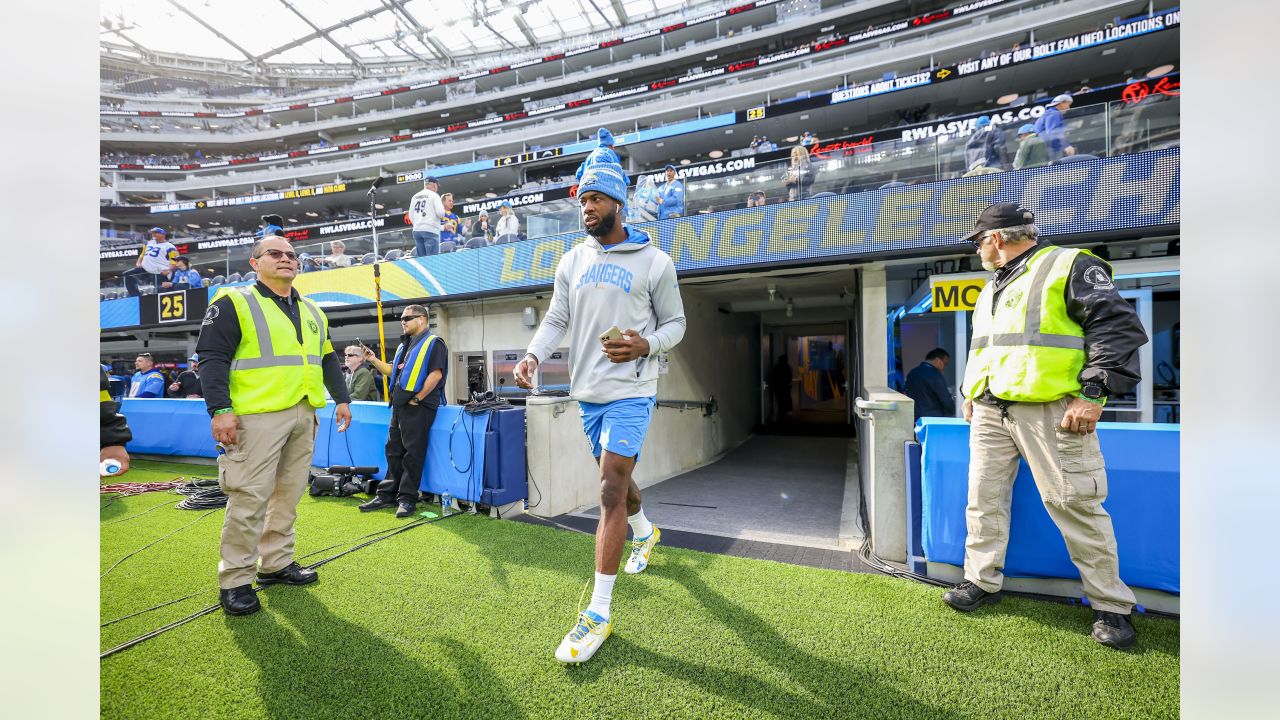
(248, 55)
(320, 33)
(621, 11)
(607, 22)
(524, 28)
(485, 21)
(424, 35)
(355, 59)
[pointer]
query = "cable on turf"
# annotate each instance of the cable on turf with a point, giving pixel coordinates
(153, 542)
(201, 494)
(205, 611)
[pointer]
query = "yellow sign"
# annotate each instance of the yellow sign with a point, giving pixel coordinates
(755, 113)
(954, 295)
(173, 306)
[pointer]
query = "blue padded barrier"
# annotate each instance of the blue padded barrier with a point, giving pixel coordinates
(486, 463)
(1143, 478)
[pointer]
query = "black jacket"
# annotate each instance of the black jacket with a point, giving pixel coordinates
(220, 335)
(928, 388)
(113, 428)
(1112, 331)
(188, 385)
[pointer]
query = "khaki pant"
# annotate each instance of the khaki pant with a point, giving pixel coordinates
(1069, 473)
(264, 477)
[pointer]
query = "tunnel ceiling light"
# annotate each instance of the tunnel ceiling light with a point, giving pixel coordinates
(793, 138)
(491, 195)
(685, 161)
(1158, 71)
(1006, 99)
(193, 225)
(379, 206)
(715, 154)
(312, 214)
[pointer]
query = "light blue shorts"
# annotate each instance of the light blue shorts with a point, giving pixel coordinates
(618, 426)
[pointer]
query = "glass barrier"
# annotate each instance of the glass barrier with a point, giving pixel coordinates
(838, 166)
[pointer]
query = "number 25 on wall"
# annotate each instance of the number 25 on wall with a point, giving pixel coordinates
(173, 306)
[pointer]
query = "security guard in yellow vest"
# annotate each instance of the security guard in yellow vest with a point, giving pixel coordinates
(266, 361)
(1052, 339)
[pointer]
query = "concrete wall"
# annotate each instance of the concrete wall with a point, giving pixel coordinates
(719, 357)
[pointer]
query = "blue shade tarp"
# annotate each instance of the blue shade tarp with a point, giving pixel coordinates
(1143, 477)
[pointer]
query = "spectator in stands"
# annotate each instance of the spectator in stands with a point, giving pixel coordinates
(271, 225)
(508, 229)
(449, 222)
(754, 147)
(187, 384)
(1031, 149)
(767, 145)
(481, 229)
(425, 213)
(359, 377)
(671, 195)
(799, 174)
(985, 147)
(755, 199)
(147, 382)
(338, 256)
(181, 276)
(808, 139)
(1052, 129)
(644, 201)
(156, 260)
(927, 386)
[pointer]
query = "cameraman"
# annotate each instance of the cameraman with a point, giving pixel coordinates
(417, 389)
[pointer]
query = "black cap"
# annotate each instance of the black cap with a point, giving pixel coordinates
(273, 220)
(999, 216)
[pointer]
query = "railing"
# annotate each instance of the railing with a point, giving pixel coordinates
(831, 167)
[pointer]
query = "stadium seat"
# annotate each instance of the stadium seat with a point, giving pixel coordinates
(217, 280)
(368, 259)
(411, 252)
(474, 243)
(234, 278)
(251, 276)
(102, 295)
(447, 246)
(393, 255)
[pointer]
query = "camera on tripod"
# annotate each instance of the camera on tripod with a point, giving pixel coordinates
(343, 481)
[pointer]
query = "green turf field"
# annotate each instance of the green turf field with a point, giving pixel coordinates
(459, 619)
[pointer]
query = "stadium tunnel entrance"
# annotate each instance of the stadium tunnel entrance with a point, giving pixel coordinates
(789, 338)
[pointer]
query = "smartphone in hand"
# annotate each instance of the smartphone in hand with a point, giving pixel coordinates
(612, 333)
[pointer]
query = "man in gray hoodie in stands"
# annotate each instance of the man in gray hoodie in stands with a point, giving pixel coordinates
(617, 278)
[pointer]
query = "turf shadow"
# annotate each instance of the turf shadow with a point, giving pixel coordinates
(321, 665)
(1059, 616)
(837, 687)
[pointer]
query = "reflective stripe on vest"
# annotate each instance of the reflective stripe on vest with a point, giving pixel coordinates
(1041, 362)
(271, 373)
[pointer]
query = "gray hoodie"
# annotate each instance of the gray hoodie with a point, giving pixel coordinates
(631, 285)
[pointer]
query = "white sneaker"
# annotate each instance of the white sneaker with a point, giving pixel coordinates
(584, 639)
(640, 550)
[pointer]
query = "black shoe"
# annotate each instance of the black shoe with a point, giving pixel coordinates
(239, 600)
(291, 574)
(967, 597)
(406, 509)
(1113, 630)
(376, 504)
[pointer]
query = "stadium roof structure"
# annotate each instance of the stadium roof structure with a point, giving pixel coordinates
(351, 37)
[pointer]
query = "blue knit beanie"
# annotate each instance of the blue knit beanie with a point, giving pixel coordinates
(602, 171)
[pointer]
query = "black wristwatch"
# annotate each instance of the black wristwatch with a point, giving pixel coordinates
(1094, 391)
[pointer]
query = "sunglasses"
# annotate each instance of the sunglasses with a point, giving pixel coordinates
(278, 254)
(407, 318)
(353, 354)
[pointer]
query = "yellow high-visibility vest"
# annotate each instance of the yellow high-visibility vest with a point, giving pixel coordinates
(1028, 349)
(271, 371)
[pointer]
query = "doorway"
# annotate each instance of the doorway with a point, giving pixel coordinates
(806, 370)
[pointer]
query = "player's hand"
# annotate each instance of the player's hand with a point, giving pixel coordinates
(368, 352)
(1081, 416)
(524, 372)
(342, 415)
(968, 410)
(224, 428)
(630, 347)
(117, 453)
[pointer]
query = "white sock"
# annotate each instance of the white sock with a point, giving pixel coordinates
(602, 595)
(641, 528)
